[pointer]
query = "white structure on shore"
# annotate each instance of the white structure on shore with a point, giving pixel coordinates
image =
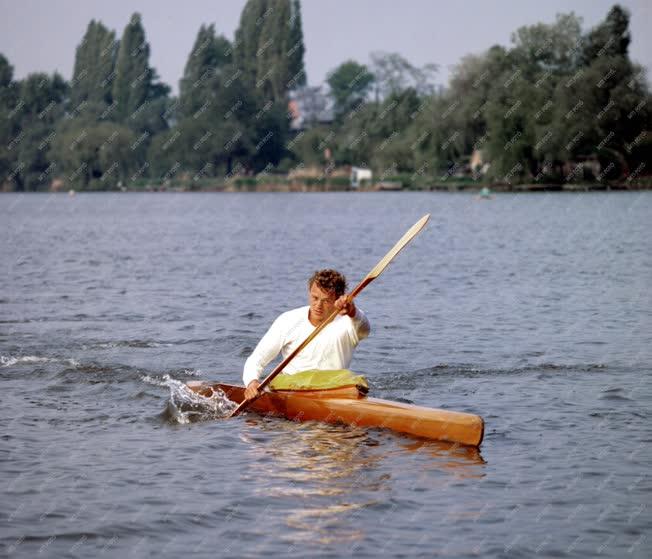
(358, 174)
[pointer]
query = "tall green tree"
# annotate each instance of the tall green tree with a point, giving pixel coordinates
(141, 101)
(272, 62)
(462, 113)
(247, 39)
(9, 128)
(208, 57)
(610, 38)
(554, 47)
(93, 73)
(269, 47)
(41, 106)
(136, 82)
(349, 85)
(601, 111)
(233, 129)
(296, 48)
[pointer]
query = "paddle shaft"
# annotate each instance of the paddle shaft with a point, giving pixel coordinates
(378, 269)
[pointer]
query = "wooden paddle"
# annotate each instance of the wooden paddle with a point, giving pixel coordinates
(371, 276)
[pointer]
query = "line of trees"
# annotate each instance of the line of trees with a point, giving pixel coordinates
(558, 105)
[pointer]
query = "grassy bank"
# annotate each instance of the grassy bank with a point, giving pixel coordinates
(281, 183)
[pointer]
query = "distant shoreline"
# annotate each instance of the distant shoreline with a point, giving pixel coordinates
(450, 187)
(302, 187)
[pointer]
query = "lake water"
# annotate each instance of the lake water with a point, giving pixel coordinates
(532, 310)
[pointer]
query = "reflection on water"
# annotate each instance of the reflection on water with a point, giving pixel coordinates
(313, 459)
(459, 460)
(327, 474)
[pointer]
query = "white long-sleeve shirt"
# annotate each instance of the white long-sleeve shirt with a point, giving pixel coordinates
(332, 349)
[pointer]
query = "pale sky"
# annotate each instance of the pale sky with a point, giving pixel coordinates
(41, 35)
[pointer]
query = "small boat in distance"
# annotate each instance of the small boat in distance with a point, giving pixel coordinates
(485, 194)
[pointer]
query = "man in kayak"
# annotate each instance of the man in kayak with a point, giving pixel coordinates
(332, 349)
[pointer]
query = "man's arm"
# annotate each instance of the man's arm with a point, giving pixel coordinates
(346, 306)
(267, 349)
(361, 324)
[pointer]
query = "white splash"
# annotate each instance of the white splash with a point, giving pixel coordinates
(186, 406)
(10, 361)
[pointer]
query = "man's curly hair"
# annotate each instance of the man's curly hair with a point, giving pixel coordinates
(329, 280)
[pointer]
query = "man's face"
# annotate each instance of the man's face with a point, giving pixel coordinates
(322, 303)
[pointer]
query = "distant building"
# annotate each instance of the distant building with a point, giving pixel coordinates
(309, 107)
(477, 164)
(358, 175)
(56, 185)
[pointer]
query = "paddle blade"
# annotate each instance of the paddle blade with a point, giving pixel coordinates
(405, 239)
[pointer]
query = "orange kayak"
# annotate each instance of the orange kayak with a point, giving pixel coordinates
(349, 406)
